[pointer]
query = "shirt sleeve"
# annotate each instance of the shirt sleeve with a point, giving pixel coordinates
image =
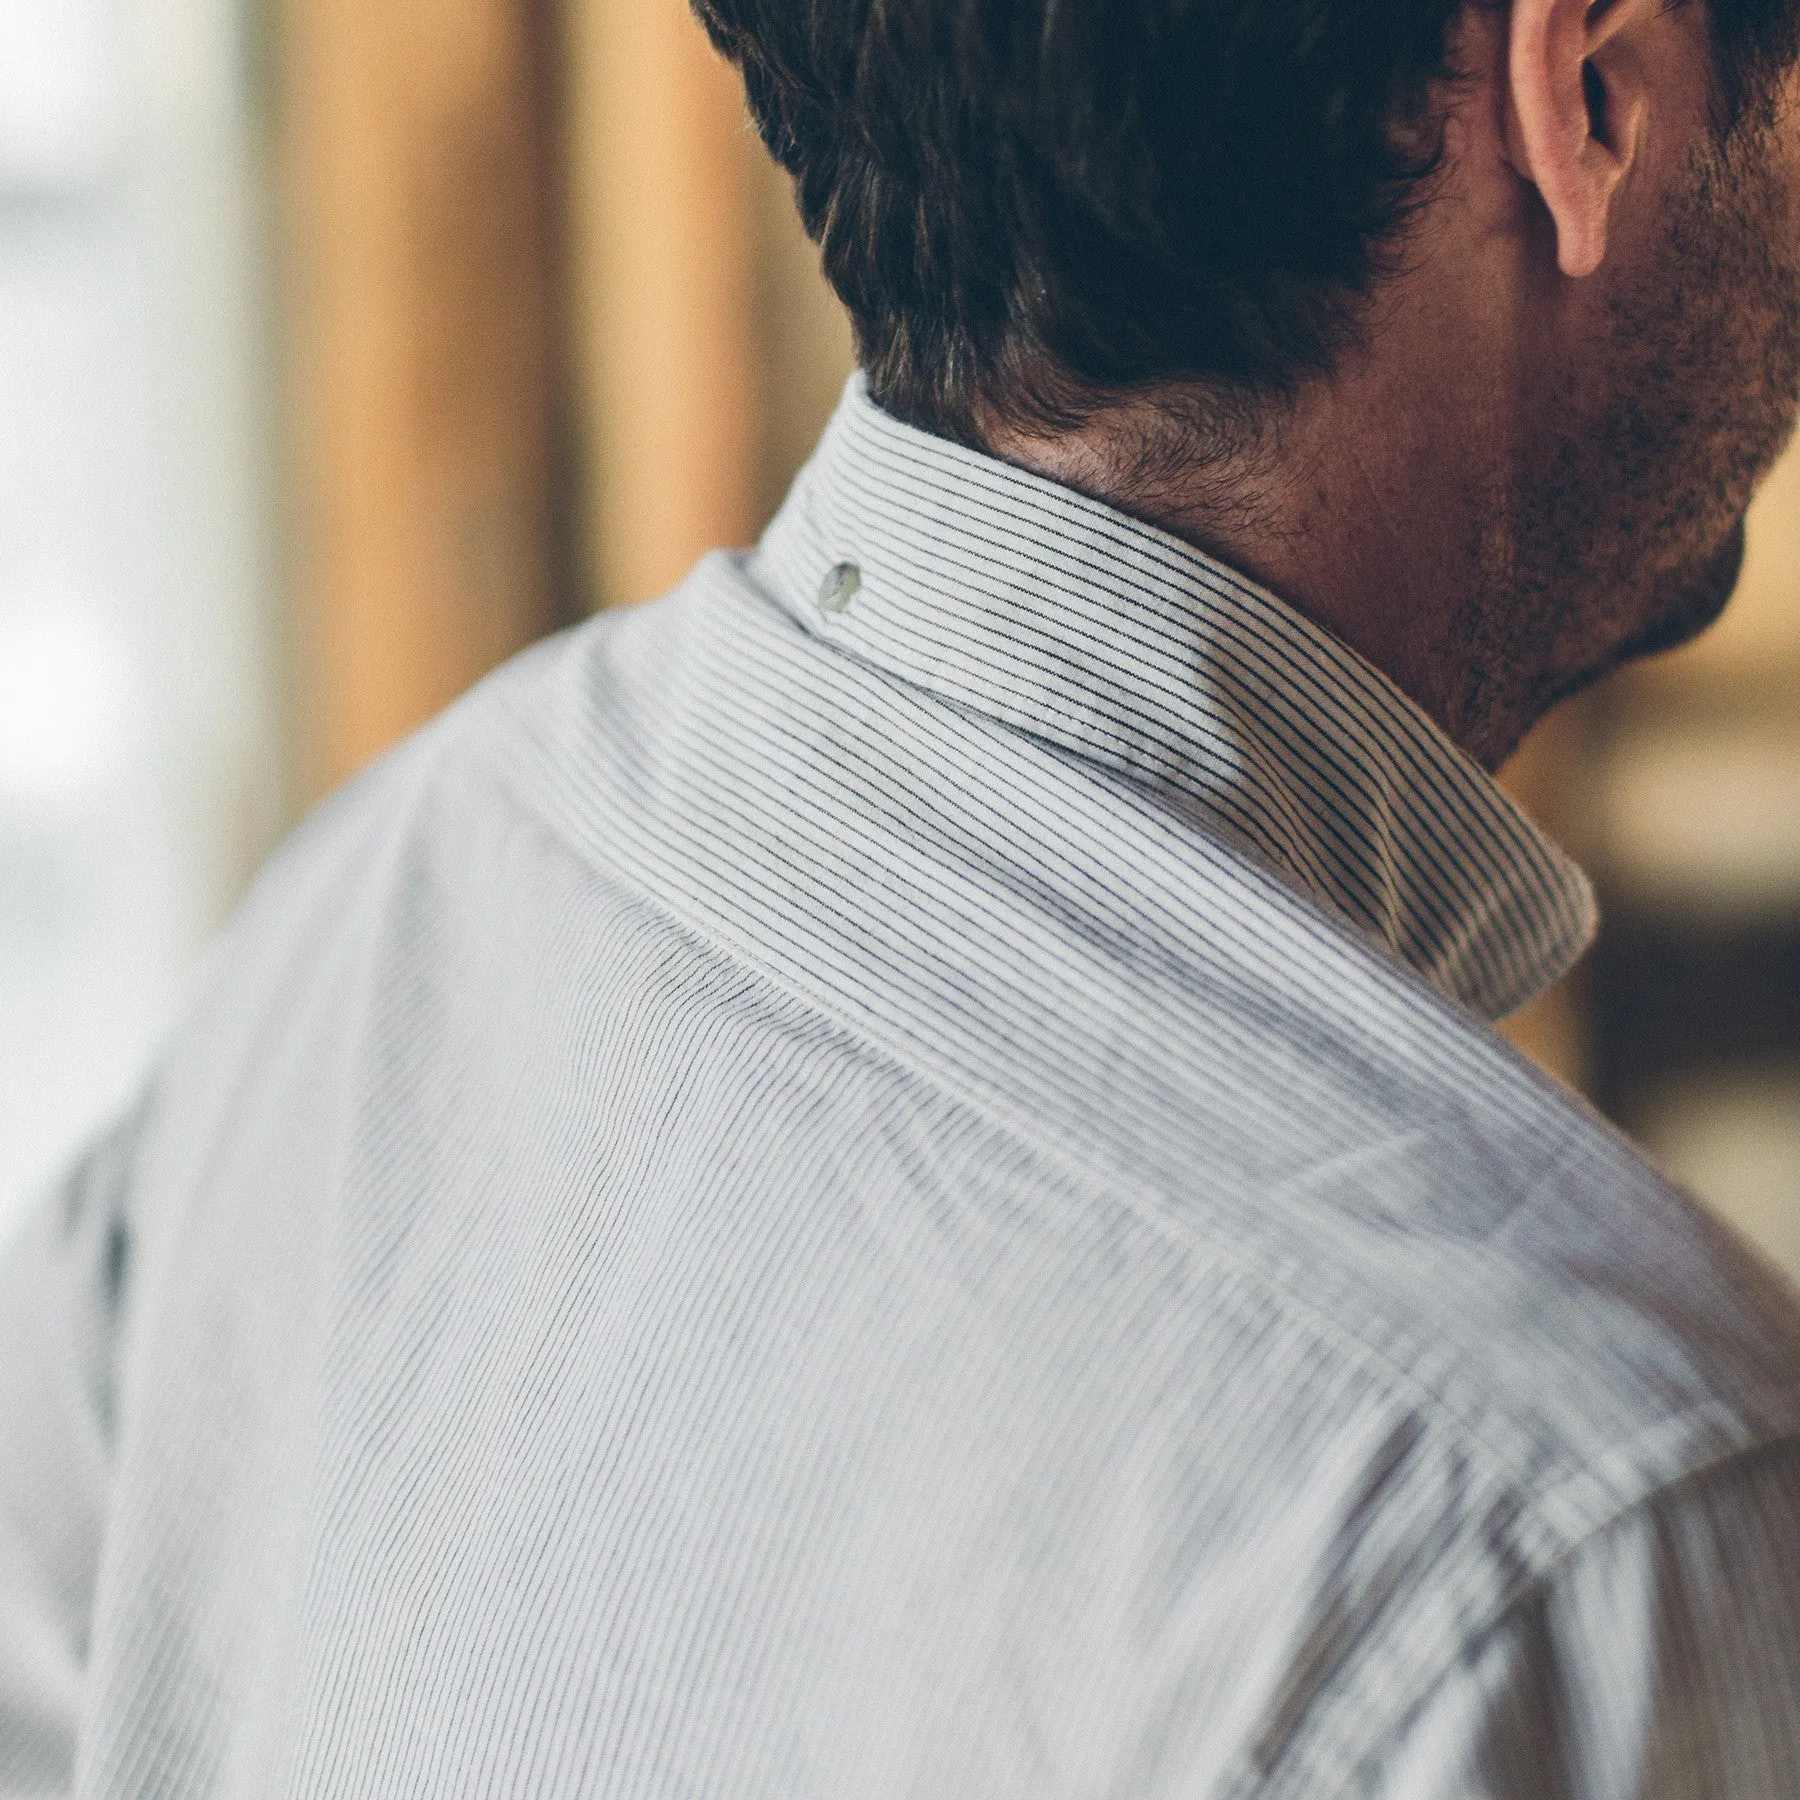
(62, 1277)
(1662, 1662)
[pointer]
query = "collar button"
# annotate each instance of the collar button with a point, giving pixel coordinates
(839, 588)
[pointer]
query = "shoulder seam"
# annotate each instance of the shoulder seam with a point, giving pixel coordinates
(1305, 1759)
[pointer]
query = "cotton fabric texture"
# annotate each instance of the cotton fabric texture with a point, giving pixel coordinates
(888, 1177)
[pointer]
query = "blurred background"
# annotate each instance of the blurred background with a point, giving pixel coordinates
(348, 345)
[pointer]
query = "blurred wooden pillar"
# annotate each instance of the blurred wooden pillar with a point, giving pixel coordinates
(663, 281)
(413, 140)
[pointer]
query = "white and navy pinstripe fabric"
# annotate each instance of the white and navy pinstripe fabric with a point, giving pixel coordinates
(902, 1197)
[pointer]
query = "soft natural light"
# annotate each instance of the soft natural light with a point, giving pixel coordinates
(73, 712)
(132, 596)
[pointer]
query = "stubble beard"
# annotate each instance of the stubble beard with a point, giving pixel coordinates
(1620, 533)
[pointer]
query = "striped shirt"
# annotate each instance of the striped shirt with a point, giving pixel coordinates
(888, 1177)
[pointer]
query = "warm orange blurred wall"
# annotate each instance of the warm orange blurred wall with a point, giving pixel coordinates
(501, 216)
(415, 196)
(661, 263)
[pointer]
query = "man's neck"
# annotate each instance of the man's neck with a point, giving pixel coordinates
(1378, 538)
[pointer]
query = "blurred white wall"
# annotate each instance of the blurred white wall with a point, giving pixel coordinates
(139, 762)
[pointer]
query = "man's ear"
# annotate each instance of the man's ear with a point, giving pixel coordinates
(1576, 106)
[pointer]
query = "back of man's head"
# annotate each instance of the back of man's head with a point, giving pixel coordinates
(1030, 205)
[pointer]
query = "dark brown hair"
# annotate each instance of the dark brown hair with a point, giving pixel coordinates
(1032, 206)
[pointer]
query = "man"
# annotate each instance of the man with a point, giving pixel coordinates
(889, 1176)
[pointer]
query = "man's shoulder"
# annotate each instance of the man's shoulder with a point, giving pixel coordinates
(1410, 1322)
(1551, 1345)
(1455, 1211)
(411, 856)
(1550, 1296)
(433, 794)
(1447, 1211)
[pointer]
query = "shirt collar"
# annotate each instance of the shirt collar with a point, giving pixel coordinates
(1005, 593)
